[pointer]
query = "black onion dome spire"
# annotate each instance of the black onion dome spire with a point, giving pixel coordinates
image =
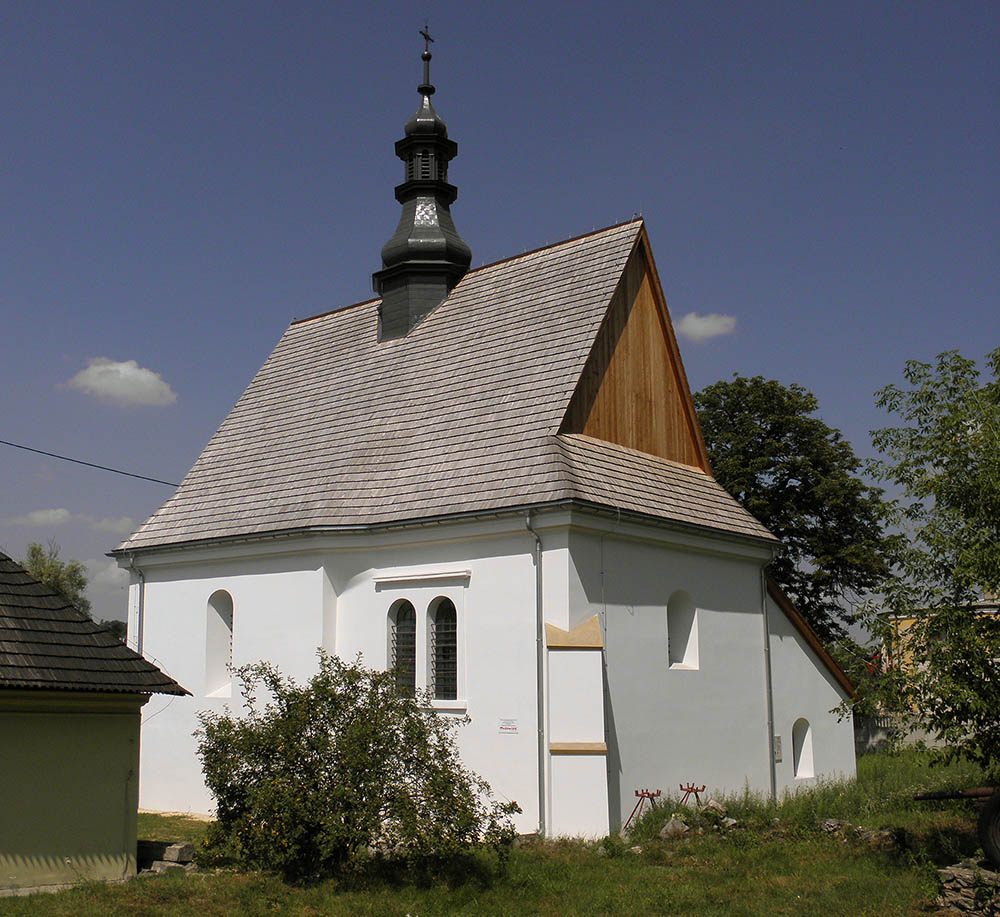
(426, 256)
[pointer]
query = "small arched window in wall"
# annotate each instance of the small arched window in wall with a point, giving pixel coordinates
(219, 645)
(444, 649)
(403, 648)
(682, 631)
(802, 749)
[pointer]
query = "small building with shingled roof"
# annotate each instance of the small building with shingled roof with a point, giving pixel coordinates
(70, 699)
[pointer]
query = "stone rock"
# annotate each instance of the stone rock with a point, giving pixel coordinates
(674, 828)
(712, 807)
(602, 851)
(179, 853)
(728, 822)
(970, 887)
(832, 826)
(165, 866)
(635, 849)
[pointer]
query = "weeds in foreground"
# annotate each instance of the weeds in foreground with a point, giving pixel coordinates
(759, 867)
(881, 797)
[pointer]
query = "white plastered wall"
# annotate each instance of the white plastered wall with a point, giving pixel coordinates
(278, 613)
(579, 784)
(667, 726)
(804, 688)
(337, 596)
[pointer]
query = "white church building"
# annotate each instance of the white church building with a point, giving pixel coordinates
(492, 481)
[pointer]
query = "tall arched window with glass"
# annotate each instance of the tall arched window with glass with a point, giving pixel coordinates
(444, 650)
(403, 624)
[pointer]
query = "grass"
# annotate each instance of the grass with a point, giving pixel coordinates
(760, 867)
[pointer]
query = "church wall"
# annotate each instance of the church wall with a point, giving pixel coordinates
(277, 615)
(286, 606)
(666, 724)
(803, 689)
(492, 583)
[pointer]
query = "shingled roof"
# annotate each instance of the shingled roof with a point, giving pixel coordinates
(459, 416)
(46, 643)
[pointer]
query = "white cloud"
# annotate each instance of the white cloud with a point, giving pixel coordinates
(697, 327)
(124, 525)
(58, 516)
(105, 574)
(125, 383)
(107, 588)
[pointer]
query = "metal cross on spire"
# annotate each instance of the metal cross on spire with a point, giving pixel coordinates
(426, 88)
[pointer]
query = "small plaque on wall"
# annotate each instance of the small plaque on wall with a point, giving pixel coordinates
(777, 749)
(508, 727)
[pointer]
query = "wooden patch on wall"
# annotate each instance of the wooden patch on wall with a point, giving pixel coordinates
(633, 390)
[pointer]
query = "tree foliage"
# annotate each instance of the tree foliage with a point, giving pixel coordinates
(67, 577)
(944, 458)
(320, 778)
(799, 477)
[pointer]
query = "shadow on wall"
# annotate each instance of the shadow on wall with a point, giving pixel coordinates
(19, 873)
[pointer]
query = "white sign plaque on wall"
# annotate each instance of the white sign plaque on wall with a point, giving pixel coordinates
(508, 726)
(777, 749)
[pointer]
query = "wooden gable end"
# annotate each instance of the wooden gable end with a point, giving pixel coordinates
(633, 390)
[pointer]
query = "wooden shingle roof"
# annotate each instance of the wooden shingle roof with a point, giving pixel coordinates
(46, 643)
(460, 416)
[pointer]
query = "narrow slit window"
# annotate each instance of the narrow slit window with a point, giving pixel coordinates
(219, 644)
(444, 651)
(802, 749)
(404, 647)
(682, 631)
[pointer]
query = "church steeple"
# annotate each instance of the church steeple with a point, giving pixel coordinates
(426, 256)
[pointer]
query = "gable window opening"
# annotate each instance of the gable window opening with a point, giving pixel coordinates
(403, 627)
(444, 651)
(682, 631)
(219, 645)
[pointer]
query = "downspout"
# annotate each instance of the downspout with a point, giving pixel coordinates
(540, 670)
(768, 687)
(140, 611)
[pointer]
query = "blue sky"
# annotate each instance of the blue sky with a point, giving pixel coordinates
(178, 181)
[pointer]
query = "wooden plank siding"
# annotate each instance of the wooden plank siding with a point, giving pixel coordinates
(633, 390)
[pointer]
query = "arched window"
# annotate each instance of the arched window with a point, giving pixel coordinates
(444, 650)
(802, 748)
(403, 649)
(682, 631)
(219, 644)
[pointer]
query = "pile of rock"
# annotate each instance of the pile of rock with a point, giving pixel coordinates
(970, 887)
(712, 813)
(877, 839)
(156, 857)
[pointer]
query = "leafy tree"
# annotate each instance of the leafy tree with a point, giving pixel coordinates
(799, 478)
(945, 460)
(342, 771)
(67, 577)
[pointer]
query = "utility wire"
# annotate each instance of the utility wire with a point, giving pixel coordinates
(66, 458)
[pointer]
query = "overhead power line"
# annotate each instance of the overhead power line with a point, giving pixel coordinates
(66, 458)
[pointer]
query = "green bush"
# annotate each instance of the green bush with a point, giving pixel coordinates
(326, 777)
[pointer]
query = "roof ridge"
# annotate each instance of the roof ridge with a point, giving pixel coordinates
(482, 267)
